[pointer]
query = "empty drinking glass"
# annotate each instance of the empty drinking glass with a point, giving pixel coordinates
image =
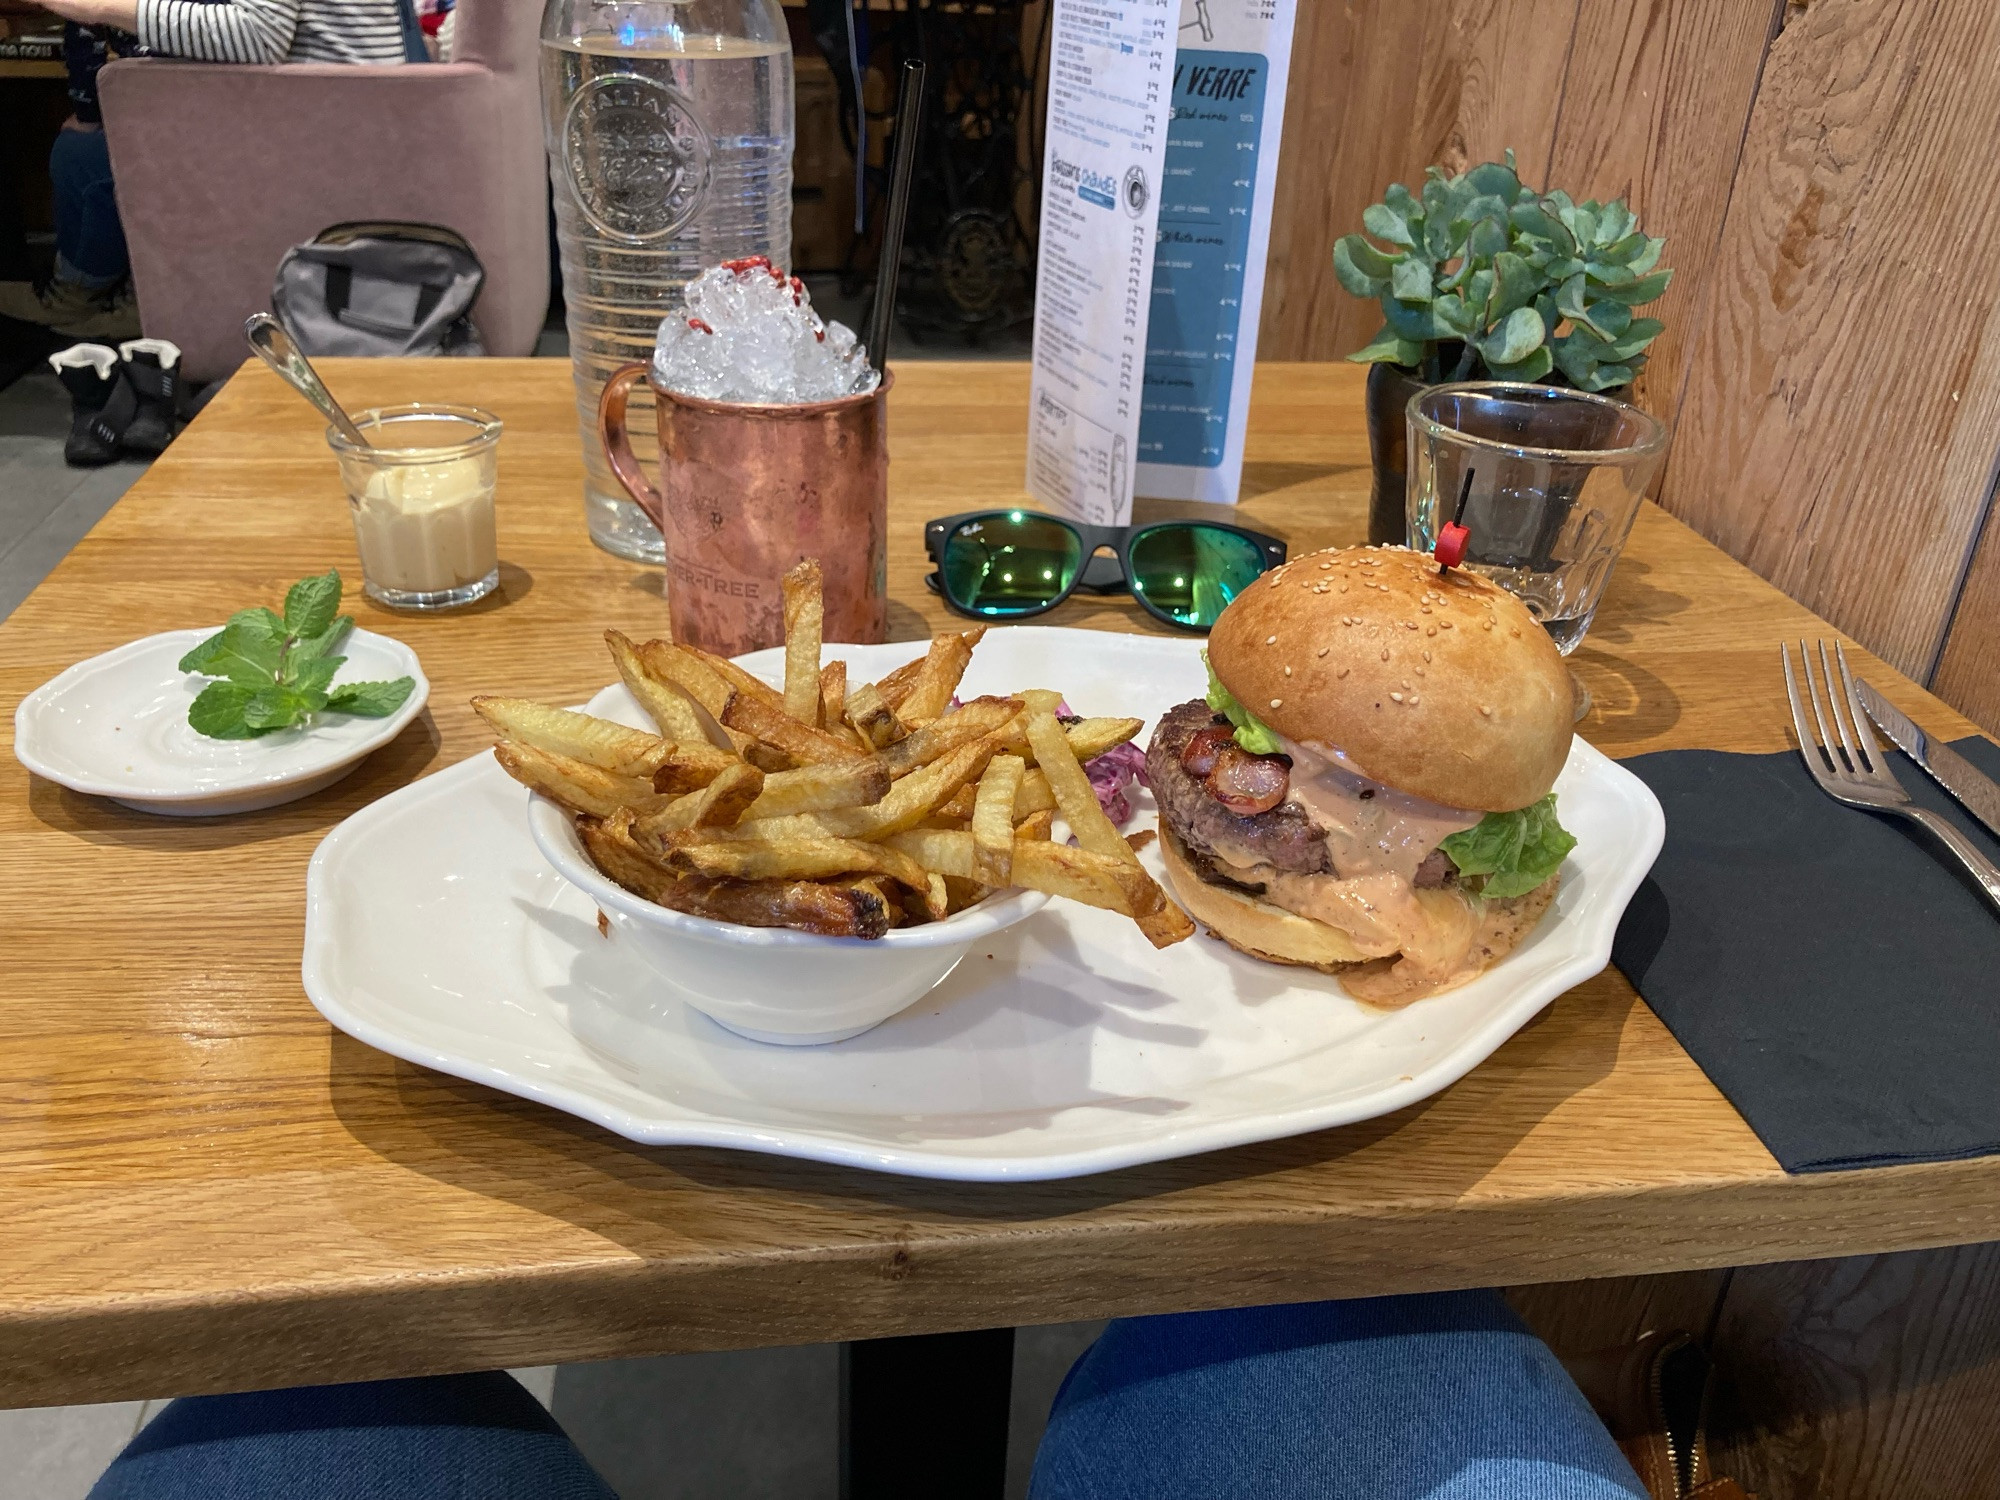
(1555, 480)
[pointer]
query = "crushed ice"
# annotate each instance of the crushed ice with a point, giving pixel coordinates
(748, 333)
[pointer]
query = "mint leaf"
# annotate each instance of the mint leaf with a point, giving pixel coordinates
(217, 712)
(280, 708)
(246, 650)
(254, 634)
(311, 604)
(311, 648)
(315, 676)
(371, 700)
(1251, 733)
(1510, 853)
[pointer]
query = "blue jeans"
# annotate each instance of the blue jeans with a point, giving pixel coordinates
(1400, 1398)
(1440, 1397)
(90, 238)
(454, 1437)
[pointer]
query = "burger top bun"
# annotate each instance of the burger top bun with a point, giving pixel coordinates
(1437, 684)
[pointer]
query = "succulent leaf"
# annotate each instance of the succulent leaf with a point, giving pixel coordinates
(1354, 260)
(1519, 334)
(1645, 289)
(1534, 367)
(1385, 224)
(1387, 348)
(1410, 280)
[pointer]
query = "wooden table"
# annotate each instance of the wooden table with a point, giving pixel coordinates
(204, 1187)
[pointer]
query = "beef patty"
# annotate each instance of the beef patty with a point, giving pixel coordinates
(1286, 837)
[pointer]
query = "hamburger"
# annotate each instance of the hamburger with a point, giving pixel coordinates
(1366, 789)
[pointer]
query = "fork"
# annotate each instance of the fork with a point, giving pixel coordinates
(1849, 765)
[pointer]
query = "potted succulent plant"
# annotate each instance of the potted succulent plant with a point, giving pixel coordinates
(1482, 278)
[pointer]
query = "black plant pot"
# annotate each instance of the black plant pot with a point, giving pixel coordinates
(1390, 388)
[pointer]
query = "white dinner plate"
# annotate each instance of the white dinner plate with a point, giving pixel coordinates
(1065, 1045)
(116, 726)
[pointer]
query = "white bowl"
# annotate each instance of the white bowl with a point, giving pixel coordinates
(772, 984)
(116, 726)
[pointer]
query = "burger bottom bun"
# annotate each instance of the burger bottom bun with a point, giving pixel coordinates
(1256, 927)
(1269, 932)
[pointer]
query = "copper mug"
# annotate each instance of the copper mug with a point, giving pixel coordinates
(746, 492)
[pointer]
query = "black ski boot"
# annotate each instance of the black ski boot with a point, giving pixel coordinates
(152, 370)
(101, 405)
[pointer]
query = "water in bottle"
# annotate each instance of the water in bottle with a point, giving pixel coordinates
(669, 133)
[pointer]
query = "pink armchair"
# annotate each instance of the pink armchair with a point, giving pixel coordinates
(223, 167)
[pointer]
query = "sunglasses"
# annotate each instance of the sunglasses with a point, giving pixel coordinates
(1008, 564)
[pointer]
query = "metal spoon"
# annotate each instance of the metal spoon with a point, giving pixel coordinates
(275, 347)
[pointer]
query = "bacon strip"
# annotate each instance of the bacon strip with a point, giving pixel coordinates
(1248, 784)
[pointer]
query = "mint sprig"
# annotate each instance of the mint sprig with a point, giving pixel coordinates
(274, 671)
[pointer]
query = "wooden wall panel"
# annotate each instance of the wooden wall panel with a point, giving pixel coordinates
(1379, 90)
(1871, 1378)
(1968, 673)
(1655, 101)
(1838, 427)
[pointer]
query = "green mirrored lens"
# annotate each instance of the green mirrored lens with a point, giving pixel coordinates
(1010, 563)
(1189, 572)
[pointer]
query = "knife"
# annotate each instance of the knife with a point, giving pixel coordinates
(1950, 770)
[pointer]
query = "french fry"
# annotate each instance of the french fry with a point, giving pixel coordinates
(937, 679)
(857, 909)
(821, 788)
(1090, 738)
(797, 859)
(689, 767)
(871, 716)
(832, 693)
(1034, 796)
(666, 706)
(1040, 700)
(1077, 874)
(1071, 789)
(1163, 922)
(577, 786)
(596, 742)
(804, 617)
(690, 673)
(963, 725)
(1035, 825)
(687, 669)
(907, 804)
(958, 808)
(959, 894)
(720, 804)
(766, 719)
(993, 820)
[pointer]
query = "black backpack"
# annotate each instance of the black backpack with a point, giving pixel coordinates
(380, 289)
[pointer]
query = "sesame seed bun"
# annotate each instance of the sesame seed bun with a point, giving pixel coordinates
(1440, 685)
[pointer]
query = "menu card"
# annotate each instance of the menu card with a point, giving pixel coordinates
(1157, 183)
(1110, 71)
(1215, 229)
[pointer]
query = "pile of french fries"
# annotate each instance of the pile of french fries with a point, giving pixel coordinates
(836, 809)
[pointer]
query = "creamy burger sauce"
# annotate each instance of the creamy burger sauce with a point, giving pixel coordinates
(1377, 837)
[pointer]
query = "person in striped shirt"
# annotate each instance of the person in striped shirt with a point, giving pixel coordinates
(87, 294)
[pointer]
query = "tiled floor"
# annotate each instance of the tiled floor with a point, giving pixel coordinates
(45, 507)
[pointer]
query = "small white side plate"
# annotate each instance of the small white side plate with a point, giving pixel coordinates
(116, 726)
(1065, 1045)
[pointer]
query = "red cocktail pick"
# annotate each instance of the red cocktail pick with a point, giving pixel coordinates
(1452, 537)
(1450, 550)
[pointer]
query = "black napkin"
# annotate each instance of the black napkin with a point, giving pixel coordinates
(1830, 969)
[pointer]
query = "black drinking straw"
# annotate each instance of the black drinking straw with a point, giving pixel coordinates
(909, 119)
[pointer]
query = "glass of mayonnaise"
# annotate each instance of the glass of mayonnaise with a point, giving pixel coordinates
(422, 498)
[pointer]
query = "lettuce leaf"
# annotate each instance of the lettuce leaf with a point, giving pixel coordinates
(1250, 733)
(1510, 853)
